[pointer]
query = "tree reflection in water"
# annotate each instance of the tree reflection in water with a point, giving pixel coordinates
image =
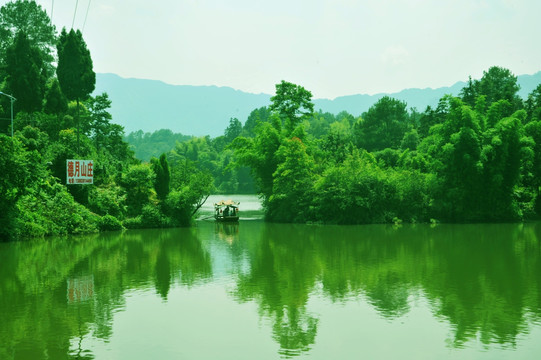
(482, 280)
(48, 304)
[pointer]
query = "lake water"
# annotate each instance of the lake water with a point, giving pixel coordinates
(267, 291)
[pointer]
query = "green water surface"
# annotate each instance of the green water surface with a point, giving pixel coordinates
(267, 291)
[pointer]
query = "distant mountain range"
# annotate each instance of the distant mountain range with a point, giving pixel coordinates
(151, 105)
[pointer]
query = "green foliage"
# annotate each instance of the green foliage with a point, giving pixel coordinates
(52, 210)
(152, 217)
(496, 84)
(148, 145)
(502, 159)
(55, 101)
(383, 125)
(109, 223)
(474, 158)
(233, 130)
(259, 154)
(35, 198)
(25, 74)
(292, 184)
(99, 118)
(293, 103)
(533, 104)
(75, 74)
(359, 192)
(133, 222)
(179, 208)
(138, 180)
(15, 174)
(191, 189)
(410, 141)
(108, 200)
(338, 141)
(23, 16)
(163, 176)
(256, 117)
(74, 71)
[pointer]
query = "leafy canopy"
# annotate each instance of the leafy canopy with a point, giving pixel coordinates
(293, 103)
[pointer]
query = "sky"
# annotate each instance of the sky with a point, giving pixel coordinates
(330, 47)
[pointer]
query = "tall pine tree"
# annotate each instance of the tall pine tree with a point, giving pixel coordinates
(75, 73)
(26, 74)
(162, 182)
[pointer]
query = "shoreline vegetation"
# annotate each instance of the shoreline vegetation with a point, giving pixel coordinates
(473, 158)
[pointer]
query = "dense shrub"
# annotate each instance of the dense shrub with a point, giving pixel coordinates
(152, 217)
(133, 222)
(109, 223)
(53, 211)
(108, 200)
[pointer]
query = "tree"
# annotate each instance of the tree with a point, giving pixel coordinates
(27, 17)
(13, 182)
(137, 181)
(410, 140)
(461, 174)
(533, 104)
(25, 74)
(293, 183)
(233, 130)
(502, 157)
(293, 103)
(190, 189)
(496, 84)
(75, 74)
(55, 101)
(259, 154)
(383, 125)
(433, 117)
(100, 118)
(256, 116)
(533, 130)
(162, 180)
(337, 143)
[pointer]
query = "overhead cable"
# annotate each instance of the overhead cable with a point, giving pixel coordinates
(52, 9)
(86, 16)
(73, 21)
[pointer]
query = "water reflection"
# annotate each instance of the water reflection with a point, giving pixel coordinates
(227, 232)
(55, 293)
(481, 280)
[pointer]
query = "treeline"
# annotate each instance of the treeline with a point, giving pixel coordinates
(473, 158)
(212, 156)
(146, 145)
(51, 77)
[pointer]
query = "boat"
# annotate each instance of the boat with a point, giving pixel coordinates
(226, 211)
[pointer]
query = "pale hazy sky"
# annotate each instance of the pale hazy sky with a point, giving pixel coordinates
(332, 48)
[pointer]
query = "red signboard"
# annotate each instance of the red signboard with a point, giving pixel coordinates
(79, 171)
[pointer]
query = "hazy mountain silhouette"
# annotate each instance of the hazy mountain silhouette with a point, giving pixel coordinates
(151, 105)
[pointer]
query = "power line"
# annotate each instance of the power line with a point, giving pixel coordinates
(86, 16)
(73, 22)
(52, 9)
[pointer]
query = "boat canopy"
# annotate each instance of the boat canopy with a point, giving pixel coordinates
(226, 203)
